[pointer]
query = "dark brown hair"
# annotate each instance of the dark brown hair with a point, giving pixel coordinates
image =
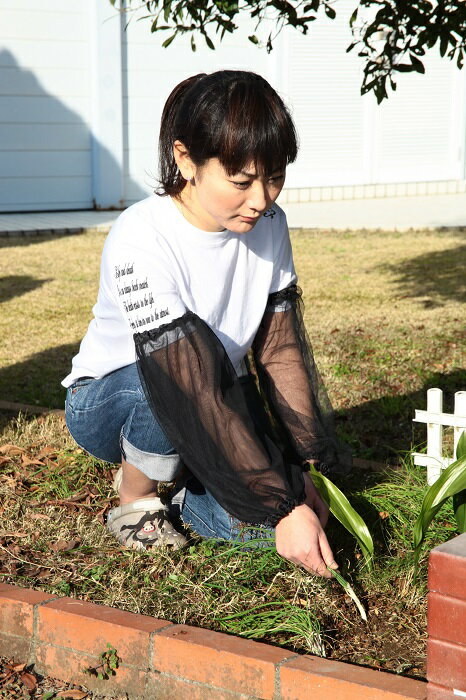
(235, 116)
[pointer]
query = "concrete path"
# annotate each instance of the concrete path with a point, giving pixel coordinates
(389, 213)
(34, 223)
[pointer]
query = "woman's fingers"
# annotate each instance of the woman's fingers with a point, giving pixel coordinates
(320, 557)
(327, 554)
(301, 539)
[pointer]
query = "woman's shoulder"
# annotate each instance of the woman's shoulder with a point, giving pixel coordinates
(149, 213)
(141, 223)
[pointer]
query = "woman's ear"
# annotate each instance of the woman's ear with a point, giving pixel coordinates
(183, 160)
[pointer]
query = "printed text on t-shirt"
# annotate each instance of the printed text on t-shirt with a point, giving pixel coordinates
(136, 297)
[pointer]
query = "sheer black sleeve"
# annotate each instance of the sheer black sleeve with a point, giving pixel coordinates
(196, 397)
(292, 387)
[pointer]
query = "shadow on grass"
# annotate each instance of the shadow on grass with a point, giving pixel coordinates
(36, 381)
(25, 241)
(17, 285)
(433, 277)
(383, 428)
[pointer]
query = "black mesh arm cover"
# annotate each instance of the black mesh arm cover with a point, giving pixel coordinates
(292, 387)
(196, 397)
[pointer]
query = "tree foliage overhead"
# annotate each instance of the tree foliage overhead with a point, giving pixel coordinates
(391, 36)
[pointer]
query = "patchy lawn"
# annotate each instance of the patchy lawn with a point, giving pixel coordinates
(385, 313)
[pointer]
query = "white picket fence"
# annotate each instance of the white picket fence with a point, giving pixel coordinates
(436, 420)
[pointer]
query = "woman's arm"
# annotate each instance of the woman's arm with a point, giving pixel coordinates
(196, 396)
(292, 386)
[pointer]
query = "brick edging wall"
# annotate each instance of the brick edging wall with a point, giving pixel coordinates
(63, 636)
(446, 618)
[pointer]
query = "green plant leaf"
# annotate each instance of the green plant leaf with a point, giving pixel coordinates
(209, 42)
(349, 591)
(168, 41)
(166, 10)
(450, 482)
(418, 66)
(343, 511)
(459, 506)
(461, 446)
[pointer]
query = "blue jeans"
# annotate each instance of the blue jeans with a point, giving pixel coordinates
(110, 418)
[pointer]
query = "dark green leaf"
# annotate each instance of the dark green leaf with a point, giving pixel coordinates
(253, 38)
(353, 17)
(166, 9)
(168, 41)
(381, 91)
(418, 66)
(459, 506)
(330, 12)
(461, 446)
(404, 67)
(451, 481)
(342, 509)
(443, 44)
(209, 42)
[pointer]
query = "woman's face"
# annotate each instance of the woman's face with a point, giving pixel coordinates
(214, 200)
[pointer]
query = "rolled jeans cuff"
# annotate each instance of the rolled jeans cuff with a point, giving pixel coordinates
(154, 466)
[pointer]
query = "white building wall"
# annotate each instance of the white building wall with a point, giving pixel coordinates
(420, 130)
(347, 139)
(45, 105)
(81, 99)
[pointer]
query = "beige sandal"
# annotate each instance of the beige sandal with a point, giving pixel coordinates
(144, 524)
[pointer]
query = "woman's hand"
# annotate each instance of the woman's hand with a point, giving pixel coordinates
(300, 538)
(314, 500)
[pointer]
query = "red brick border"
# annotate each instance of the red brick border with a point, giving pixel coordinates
(63, 636)
(446, 650)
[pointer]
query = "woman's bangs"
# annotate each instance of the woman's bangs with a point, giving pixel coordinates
(258, 129)
(267, 155)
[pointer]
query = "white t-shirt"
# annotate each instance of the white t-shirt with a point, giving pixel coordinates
(156, 265)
